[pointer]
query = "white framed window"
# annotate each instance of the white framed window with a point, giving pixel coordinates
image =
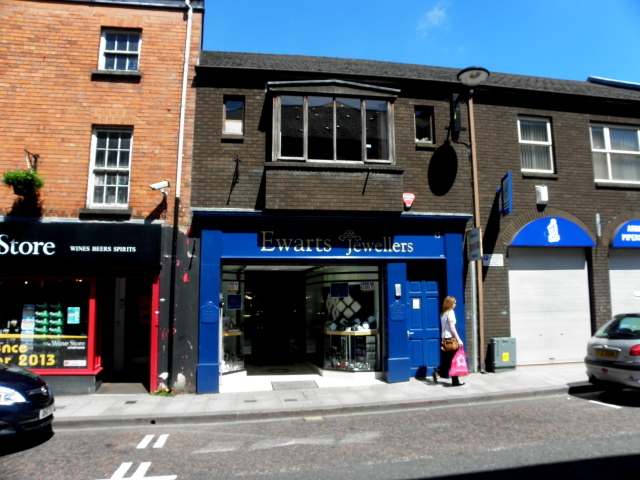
(110, 167)
(327, 128)
(233, 121)
(120, 50)
(616, 153)
(535, 144)
(424, 124)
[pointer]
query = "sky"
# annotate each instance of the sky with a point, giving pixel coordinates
(564, 39)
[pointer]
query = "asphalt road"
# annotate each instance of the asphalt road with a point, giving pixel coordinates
(591, 436)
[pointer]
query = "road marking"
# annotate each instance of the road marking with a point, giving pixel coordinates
(140, 472)
(159, 443)
(605, 404)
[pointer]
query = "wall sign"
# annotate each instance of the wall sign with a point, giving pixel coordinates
(552, 232)
(627, 235)
(31, 245)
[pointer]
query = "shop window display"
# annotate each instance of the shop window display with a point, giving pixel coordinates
(232, 329)
(44, 323)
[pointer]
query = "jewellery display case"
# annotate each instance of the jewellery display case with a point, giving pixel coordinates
(351, 351)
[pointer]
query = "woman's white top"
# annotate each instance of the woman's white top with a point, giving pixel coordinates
(446, 320)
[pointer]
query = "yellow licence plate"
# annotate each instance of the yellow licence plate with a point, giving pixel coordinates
(600, 352)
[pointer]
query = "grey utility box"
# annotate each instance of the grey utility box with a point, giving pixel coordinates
(502, 354)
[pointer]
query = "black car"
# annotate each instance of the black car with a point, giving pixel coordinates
(26, 401)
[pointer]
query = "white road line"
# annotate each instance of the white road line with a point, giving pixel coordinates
(140, 472)
(145, 441)
(605, 404)
(160, 442)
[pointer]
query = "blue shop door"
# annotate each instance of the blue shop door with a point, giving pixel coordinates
(424, 327)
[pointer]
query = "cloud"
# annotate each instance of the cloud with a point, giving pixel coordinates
(432, 19)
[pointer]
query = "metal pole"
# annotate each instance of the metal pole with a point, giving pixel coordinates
(476, 214)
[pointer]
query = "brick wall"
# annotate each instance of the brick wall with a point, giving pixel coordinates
(51, 100)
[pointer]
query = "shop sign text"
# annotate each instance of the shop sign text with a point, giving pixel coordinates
(13, 247)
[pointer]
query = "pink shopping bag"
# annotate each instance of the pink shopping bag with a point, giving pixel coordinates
(459, 364)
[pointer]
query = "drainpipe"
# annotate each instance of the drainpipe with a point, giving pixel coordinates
(176, 205)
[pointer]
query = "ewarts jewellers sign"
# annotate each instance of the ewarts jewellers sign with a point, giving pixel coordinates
(29, 245)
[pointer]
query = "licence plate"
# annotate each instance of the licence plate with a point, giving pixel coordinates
(600, 352)
(47, 411)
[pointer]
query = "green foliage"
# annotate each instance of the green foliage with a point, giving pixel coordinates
(23, 181)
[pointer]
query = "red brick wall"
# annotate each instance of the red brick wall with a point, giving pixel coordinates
(50, 101)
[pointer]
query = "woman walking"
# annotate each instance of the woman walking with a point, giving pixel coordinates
(448, 322)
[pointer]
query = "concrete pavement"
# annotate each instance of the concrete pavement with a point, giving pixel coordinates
(292, 397)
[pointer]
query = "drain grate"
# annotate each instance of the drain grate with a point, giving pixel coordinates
(130, 402)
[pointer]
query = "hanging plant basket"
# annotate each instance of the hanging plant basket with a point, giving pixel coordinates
(24, 182)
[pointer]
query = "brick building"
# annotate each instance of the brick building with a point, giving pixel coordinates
(332, 198)
(92, 98)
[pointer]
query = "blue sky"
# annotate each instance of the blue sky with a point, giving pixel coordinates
(567, 39)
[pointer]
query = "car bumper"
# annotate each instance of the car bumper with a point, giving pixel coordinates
(23, 420)
(627, 374)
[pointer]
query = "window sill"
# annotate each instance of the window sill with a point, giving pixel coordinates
(601, 184)
(106, 213)
(121, 74)
(325, 166)
(232, 137)
(539, 175)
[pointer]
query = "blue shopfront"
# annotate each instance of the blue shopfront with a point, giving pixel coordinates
(349, 295)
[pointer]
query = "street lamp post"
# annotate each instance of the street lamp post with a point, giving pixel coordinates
(471, 77)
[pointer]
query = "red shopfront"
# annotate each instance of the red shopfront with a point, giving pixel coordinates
(79, 302)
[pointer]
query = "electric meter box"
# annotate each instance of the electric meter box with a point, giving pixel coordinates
(502, 354)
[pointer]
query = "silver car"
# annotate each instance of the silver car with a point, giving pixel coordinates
(613, 353)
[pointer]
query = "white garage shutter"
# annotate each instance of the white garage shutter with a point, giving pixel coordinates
(624, 278)
(549, 302)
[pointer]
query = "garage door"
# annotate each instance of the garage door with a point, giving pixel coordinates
(549, 302)
(624, 277)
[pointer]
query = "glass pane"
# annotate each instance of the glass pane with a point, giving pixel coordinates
(109, 62)
(533, 131)
(377, 130)
(112, 158)
(102, 139)
(291, 127)
(133, 64)
(624, 139)
(100, 158)
(234, 109)
(320, 128)
(133, 43)
(99, 179)
(123, 193)
(121, 42)
(124, 159)
(423, 124)
(123, 179)
(348, 129)
(110, 196)
(110, 41)
(597, 138)
(125, 140)
(535, 157)
(625, 167)
(98, 192)
(600, 168)
(121, 63)
(111, 178)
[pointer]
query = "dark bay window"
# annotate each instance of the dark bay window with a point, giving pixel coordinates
(333, 128)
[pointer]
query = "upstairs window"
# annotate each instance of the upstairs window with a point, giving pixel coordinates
(616, 153)
(233, 115)
(424, 124)
(535, 145)
(110, 167)
(333, 128)
(120, 50)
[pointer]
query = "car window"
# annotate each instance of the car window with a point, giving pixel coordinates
(621, 327)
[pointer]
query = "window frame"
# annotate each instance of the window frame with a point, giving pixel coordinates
(103, 170)
(424, 108)
(277, 134)
(103, 49)
(225, 110)
(608, 150)
(548, 143)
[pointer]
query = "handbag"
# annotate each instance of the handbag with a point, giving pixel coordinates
(459, 365)
(449, 344)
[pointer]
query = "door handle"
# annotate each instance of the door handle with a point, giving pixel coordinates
(409, 334)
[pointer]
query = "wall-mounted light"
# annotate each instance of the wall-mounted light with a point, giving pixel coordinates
(542, 194)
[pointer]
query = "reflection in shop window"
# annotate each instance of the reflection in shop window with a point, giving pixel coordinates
(44, 323)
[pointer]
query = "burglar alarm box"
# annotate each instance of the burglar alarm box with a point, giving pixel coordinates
(502, 354)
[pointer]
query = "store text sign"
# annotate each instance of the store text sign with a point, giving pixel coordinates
(627, 235)
(348, 244)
